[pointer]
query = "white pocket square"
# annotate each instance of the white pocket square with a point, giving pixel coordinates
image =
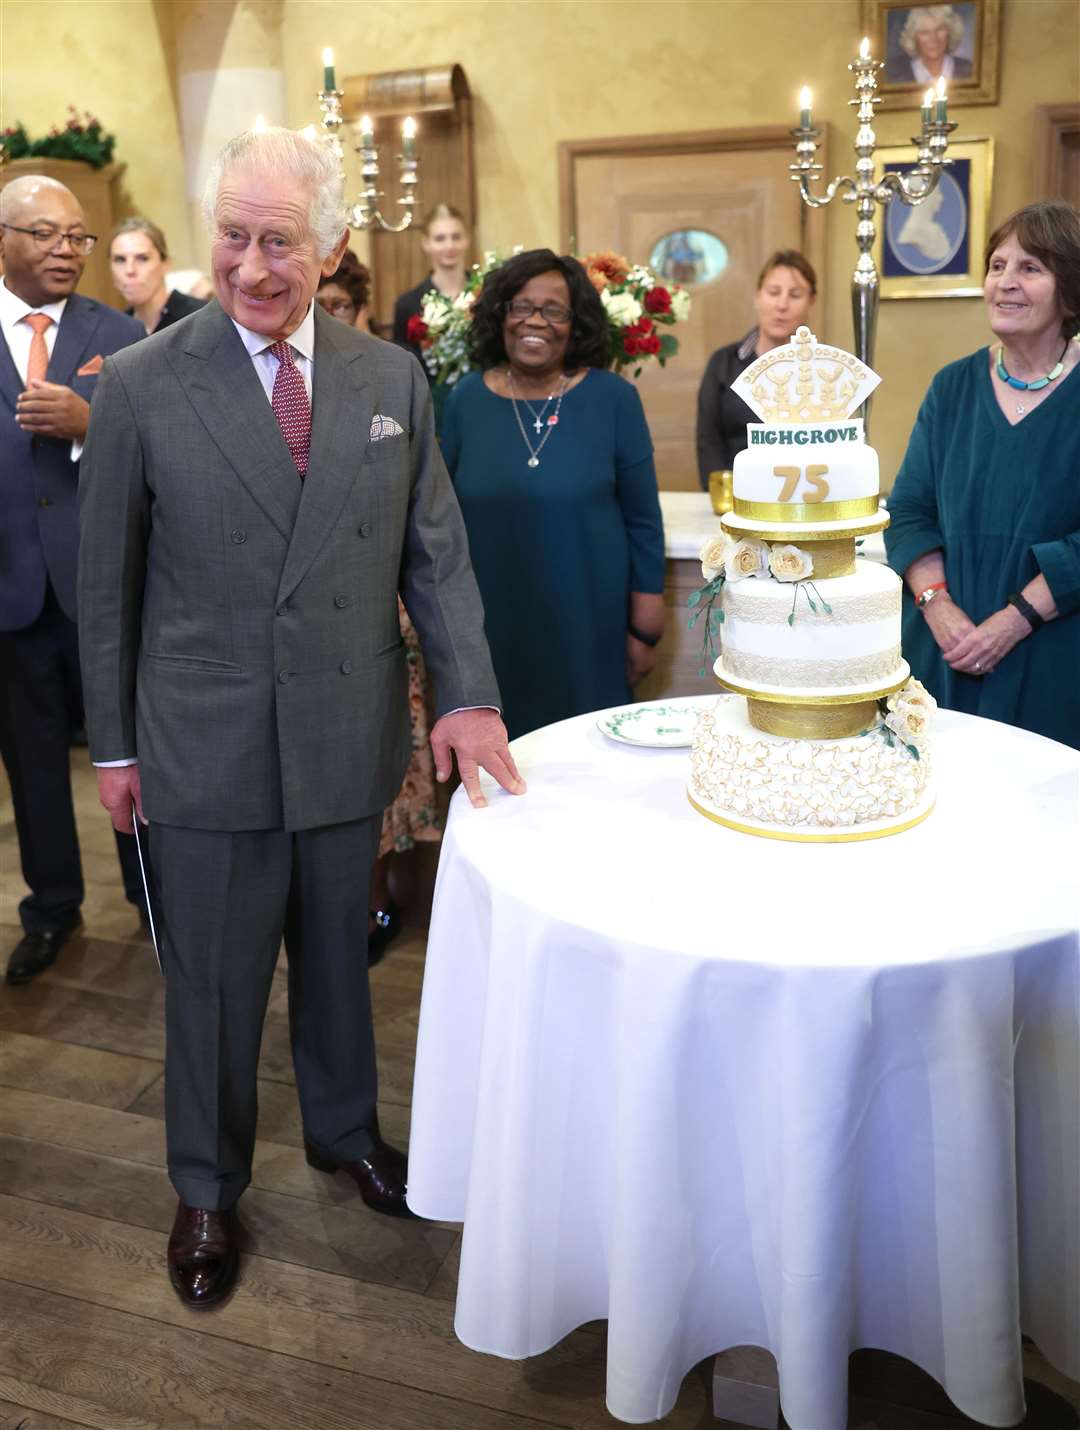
(383, 427)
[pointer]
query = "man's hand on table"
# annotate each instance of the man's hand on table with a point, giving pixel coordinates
(478, 739)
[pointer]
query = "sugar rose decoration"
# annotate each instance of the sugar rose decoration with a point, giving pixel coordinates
(749, 557)
(789, 563)
(714, 556)
(908, 713)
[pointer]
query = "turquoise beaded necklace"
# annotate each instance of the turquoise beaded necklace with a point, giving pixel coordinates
(1039, 382)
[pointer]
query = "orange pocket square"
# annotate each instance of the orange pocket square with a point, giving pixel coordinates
(91, 368)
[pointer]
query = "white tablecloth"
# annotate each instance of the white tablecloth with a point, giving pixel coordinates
(722, 1090)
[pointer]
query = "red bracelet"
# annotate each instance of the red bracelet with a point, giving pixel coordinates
(927, 594)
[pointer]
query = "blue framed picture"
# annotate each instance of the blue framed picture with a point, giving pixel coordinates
(934, 249)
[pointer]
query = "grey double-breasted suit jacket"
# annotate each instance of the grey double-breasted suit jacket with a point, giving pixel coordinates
(238, 626)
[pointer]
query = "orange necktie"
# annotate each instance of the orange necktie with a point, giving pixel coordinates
(38, 365)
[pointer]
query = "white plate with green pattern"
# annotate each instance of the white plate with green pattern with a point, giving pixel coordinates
(655, 723)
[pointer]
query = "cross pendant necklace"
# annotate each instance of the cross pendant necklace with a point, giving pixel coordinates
(538, 425)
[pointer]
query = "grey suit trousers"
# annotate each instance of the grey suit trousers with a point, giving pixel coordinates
(227, 900)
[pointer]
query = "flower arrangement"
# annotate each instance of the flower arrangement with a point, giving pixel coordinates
(636, 305)
(441, 331)
(905, 718)
(82, 139)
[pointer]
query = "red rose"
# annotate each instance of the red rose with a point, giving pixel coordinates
(415, 330)
(649, 345)
(658, 300)
(631, 343)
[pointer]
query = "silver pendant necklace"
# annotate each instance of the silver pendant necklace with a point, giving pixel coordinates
(537, 423)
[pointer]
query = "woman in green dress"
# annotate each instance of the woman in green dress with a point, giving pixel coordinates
(552, 463)
(985, 511)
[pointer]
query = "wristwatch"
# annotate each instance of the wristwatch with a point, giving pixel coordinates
(923, 599)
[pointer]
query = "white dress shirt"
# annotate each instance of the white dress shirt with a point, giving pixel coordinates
(302, 342)
(19, 335)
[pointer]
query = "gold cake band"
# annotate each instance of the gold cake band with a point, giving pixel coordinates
(833, 558)
(794, 511)
(812, 722)
(839, 835)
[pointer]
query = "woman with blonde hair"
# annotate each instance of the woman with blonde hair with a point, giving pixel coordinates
(930, 37)
(444, 237)
(139, 264)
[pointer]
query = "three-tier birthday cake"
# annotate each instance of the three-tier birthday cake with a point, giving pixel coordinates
(831, 740)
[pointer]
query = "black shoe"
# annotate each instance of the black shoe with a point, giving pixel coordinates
(380, 1176)
(387, 927)
(35, 952)
(203, 1257)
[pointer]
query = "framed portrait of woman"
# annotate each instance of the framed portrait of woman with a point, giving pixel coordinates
(921, 43)
(935, 249)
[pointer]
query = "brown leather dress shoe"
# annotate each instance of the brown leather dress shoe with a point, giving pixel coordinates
(381, 1175)
(203, 1255)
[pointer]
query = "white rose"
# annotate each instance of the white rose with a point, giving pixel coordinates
(622, 308)
(437, 315)
(680, 304)
(915, 694)
(748, 557)
(713, 555)
(464, 300)
(788, 563)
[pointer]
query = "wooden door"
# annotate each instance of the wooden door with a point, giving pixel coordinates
(630, 194)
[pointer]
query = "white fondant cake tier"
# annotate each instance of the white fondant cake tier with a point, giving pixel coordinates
(853, 647)
(815, 790)
(833, 461)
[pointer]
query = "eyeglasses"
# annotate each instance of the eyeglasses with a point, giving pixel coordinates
(48, 240)
(342, 308)
(550, 312)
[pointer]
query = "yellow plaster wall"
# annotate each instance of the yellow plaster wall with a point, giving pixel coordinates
(545, 70)
(114, 58)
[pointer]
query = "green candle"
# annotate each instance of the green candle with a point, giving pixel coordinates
(408, 137)
(328, 80)
(941, 114)
(927, 107)
(804, 111)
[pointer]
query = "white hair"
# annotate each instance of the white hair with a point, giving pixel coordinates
(309, 162)
(937, 15)
(24, 187)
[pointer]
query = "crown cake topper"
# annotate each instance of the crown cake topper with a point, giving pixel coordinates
(805, 381)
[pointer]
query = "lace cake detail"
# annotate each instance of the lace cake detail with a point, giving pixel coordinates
(809, 674)
(846, 610)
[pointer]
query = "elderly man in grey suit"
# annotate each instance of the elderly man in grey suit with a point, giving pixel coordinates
(258, 483)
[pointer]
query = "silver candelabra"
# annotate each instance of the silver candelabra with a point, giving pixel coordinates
(365, 212)
(866, 190)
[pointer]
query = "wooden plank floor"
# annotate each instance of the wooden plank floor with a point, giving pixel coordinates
(343, 1320)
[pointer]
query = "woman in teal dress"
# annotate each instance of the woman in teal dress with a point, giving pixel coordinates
(985, 512)
(552, 463)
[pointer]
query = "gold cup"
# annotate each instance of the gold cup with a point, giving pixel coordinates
(720, 492)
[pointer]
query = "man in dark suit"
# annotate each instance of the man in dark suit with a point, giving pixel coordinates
(259, 482)
(52, 343)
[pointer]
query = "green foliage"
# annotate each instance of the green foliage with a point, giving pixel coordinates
(80, 139)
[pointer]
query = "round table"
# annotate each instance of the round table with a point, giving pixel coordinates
(725, 1091)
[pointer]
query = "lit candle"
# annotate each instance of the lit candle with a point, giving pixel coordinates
(804, 107)
(864, 49)
(408, 137)
(941, 112)
(927, 107)
(367, 128)
(329, 81)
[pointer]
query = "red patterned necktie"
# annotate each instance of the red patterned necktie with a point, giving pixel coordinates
(291, 406)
